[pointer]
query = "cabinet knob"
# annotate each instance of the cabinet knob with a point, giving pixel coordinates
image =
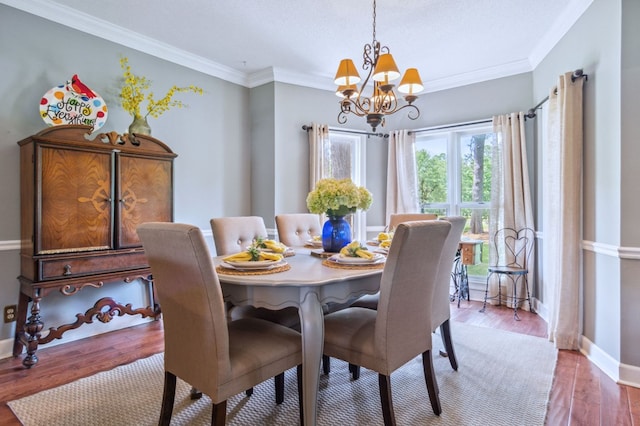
(67, 270)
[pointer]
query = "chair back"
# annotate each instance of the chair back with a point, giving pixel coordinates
(195, 326)
(397, 218)
(513, 247)
(440, 311)
(295, 229)
(234, 234)
(403, 321)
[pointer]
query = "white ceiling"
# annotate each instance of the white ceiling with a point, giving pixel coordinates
(249, 42)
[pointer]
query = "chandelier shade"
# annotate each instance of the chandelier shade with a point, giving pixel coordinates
(386, 69)
(411, 82)
(347, 73)
(378, 100)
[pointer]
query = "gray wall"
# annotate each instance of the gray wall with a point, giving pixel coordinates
(611, 58)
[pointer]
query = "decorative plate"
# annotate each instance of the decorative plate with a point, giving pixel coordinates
(73, 103)
(358, 260)
(315, 243)
(253, 264)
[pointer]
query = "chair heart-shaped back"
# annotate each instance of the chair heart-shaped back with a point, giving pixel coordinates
(513, 246)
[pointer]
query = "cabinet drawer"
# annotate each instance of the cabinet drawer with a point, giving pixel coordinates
(74, 266)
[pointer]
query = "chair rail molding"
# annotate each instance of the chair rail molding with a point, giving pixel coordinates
(630, 253)
(9, 245)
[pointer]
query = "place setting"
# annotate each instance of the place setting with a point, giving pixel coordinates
(262, 257)
(355, 255)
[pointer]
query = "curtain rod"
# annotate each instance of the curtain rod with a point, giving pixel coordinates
(450, 126)
(358, 132)
(576, 75)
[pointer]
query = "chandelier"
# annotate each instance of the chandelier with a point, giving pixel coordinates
(376, 102)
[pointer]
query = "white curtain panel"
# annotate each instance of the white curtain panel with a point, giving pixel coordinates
(402, 180)
(510, 197)
(318, 134)
(562, 213)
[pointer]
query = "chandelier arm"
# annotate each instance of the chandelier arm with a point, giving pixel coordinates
(409, 113)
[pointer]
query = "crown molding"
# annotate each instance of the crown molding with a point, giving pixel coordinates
(478, 76)
(560, 27)
(91, 25)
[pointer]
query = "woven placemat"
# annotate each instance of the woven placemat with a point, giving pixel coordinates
(332, 264)
(227, 271)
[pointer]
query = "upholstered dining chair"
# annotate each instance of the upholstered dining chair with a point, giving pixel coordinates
(295, 229)
(441, 307)
(396, 219)
(232, 235)
(217, 357)
(385, 339)
(513, 249)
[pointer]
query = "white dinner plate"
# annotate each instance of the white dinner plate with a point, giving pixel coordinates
(373, 242)
(251, 264)
(358, 260)
(315, 243)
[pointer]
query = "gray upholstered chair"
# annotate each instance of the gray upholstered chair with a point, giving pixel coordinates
(218, 358)
(440, 309)
(295, 229)
(232, 235)
(385, 339)
(397, 218)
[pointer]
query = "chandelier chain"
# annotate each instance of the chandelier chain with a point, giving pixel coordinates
(374, 22)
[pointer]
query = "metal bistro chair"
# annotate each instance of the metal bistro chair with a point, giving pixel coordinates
(513, 248)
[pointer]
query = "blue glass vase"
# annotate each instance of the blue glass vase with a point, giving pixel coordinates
(336, 233)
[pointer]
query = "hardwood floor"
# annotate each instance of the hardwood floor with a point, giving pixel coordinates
(581, 394)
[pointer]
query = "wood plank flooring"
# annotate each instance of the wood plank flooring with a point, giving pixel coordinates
(581, 394)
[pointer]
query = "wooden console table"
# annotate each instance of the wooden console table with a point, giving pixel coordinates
(81, 201)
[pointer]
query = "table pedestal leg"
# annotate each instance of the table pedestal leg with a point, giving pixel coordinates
(312, 328)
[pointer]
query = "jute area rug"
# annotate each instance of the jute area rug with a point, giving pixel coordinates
(503, 379)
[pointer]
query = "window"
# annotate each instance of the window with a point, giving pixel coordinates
(344, 157)
(454, 178)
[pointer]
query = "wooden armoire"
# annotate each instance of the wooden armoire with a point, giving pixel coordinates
(82, 198)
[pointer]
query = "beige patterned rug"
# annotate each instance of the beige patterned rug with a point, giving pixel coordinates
(503, 379)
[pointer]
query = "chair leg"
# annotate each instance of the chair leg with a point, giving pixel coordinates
(432, 383)
(515, 299)
(279, 384)
(168, 397)
(355, 371)
(195, 393)
(219, 414)
(300, 394)
(486, 293)
(326, 364)
(384, 383)
(526, 285)
(249, 392)
(445, 332)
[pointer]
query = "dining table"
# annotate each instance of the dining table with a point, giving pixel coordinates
(308, 281)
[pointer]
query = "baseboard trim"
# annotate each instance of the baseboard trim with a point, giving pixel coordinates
(6, 348)
(623, 374)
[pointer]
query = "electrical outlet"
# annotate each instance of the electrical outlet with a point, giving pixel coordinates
(10, 313)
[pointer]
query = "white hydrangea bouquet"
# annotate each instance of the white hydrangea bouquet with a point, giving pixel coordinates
(338, 197)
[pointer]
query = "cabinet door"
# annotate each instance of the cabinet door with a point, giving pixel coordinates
(75, 209)
(145, 188)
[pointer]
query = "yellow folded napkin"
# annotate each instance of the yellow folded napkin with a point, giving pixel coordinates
(385, 244)
(355, 249)
(247, 256)
(273, 245)
(383, 236)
